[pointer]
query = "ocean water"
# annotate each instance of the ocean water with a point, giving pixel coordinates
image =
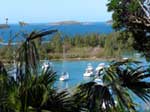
(72, 29)
(76, 68)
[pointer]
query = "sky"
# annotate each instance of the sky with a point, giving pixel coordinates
(43, 11)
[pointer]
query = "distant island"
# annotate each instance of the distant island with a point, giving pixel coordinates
(65, 23)
(21, 23)
(109, 22)
(76, 22)
(3, 26)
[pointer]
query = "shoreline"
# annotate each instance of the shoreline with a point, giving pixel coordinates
(90, 59)
(71, 59)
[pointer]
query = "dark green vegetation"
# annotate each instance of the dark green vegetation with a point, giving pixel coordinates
(133, 16)
(33, 91)
(79, 46)
(86, 46)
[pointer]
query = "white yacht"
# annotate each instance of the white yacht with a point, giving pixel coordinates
(99, 67)
(46, 65)
(125, 58)
(89, 71)
(64, 76)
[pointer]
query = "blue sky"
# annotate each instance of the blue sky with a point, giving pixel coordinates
(42, 11)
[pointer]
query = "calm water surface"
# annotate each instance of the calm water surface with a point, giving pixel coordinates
(71, 30)
(76, 70)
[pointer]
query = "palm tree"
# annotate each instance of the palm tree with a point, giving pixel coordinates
(31, 91)
(120, 81)
(8, 103)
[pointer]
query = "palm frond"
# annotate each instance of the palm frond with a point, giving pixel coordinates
(103, 96)
(35, 35)
(95, 97)
(137, 83)
(7, 89)
(37, 91)
(123, 98)
(128, 62)
(28, 57)
(2, 69)
(47, 77)
(124, 77)
(59, 102)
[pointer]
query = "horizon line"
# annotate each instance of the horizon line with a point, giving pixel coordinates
(53, 22)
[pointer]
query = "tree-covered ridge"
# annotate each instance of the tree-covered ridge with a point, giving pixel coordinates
(79, 46)
(104, 45)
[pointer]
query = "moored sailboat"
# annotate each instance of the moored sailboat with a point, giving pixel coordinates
(89, 71)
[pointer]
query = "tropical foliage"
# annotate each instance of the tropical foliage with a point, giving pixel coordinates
(133, 16)
(78, 46)
(121, 80)
(32, 90)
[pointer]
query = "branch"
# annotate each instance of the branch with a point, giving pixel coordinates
(139, 20)
(41, 34)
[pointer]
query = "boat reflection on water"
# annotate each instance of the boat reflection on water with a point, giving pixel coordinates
(87, 79)
(61, 85)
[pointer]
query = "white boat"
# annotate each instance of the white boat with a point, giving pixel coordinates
(99, 67)
(89, 71)
(125, 58)
(46, 65)
(64, 76)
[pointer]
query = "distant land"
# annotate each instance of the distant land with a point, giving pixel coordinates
(109, 22)
(65, 23)
(3, 26)
(22, 23)
(75, 22)
(70, 22)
